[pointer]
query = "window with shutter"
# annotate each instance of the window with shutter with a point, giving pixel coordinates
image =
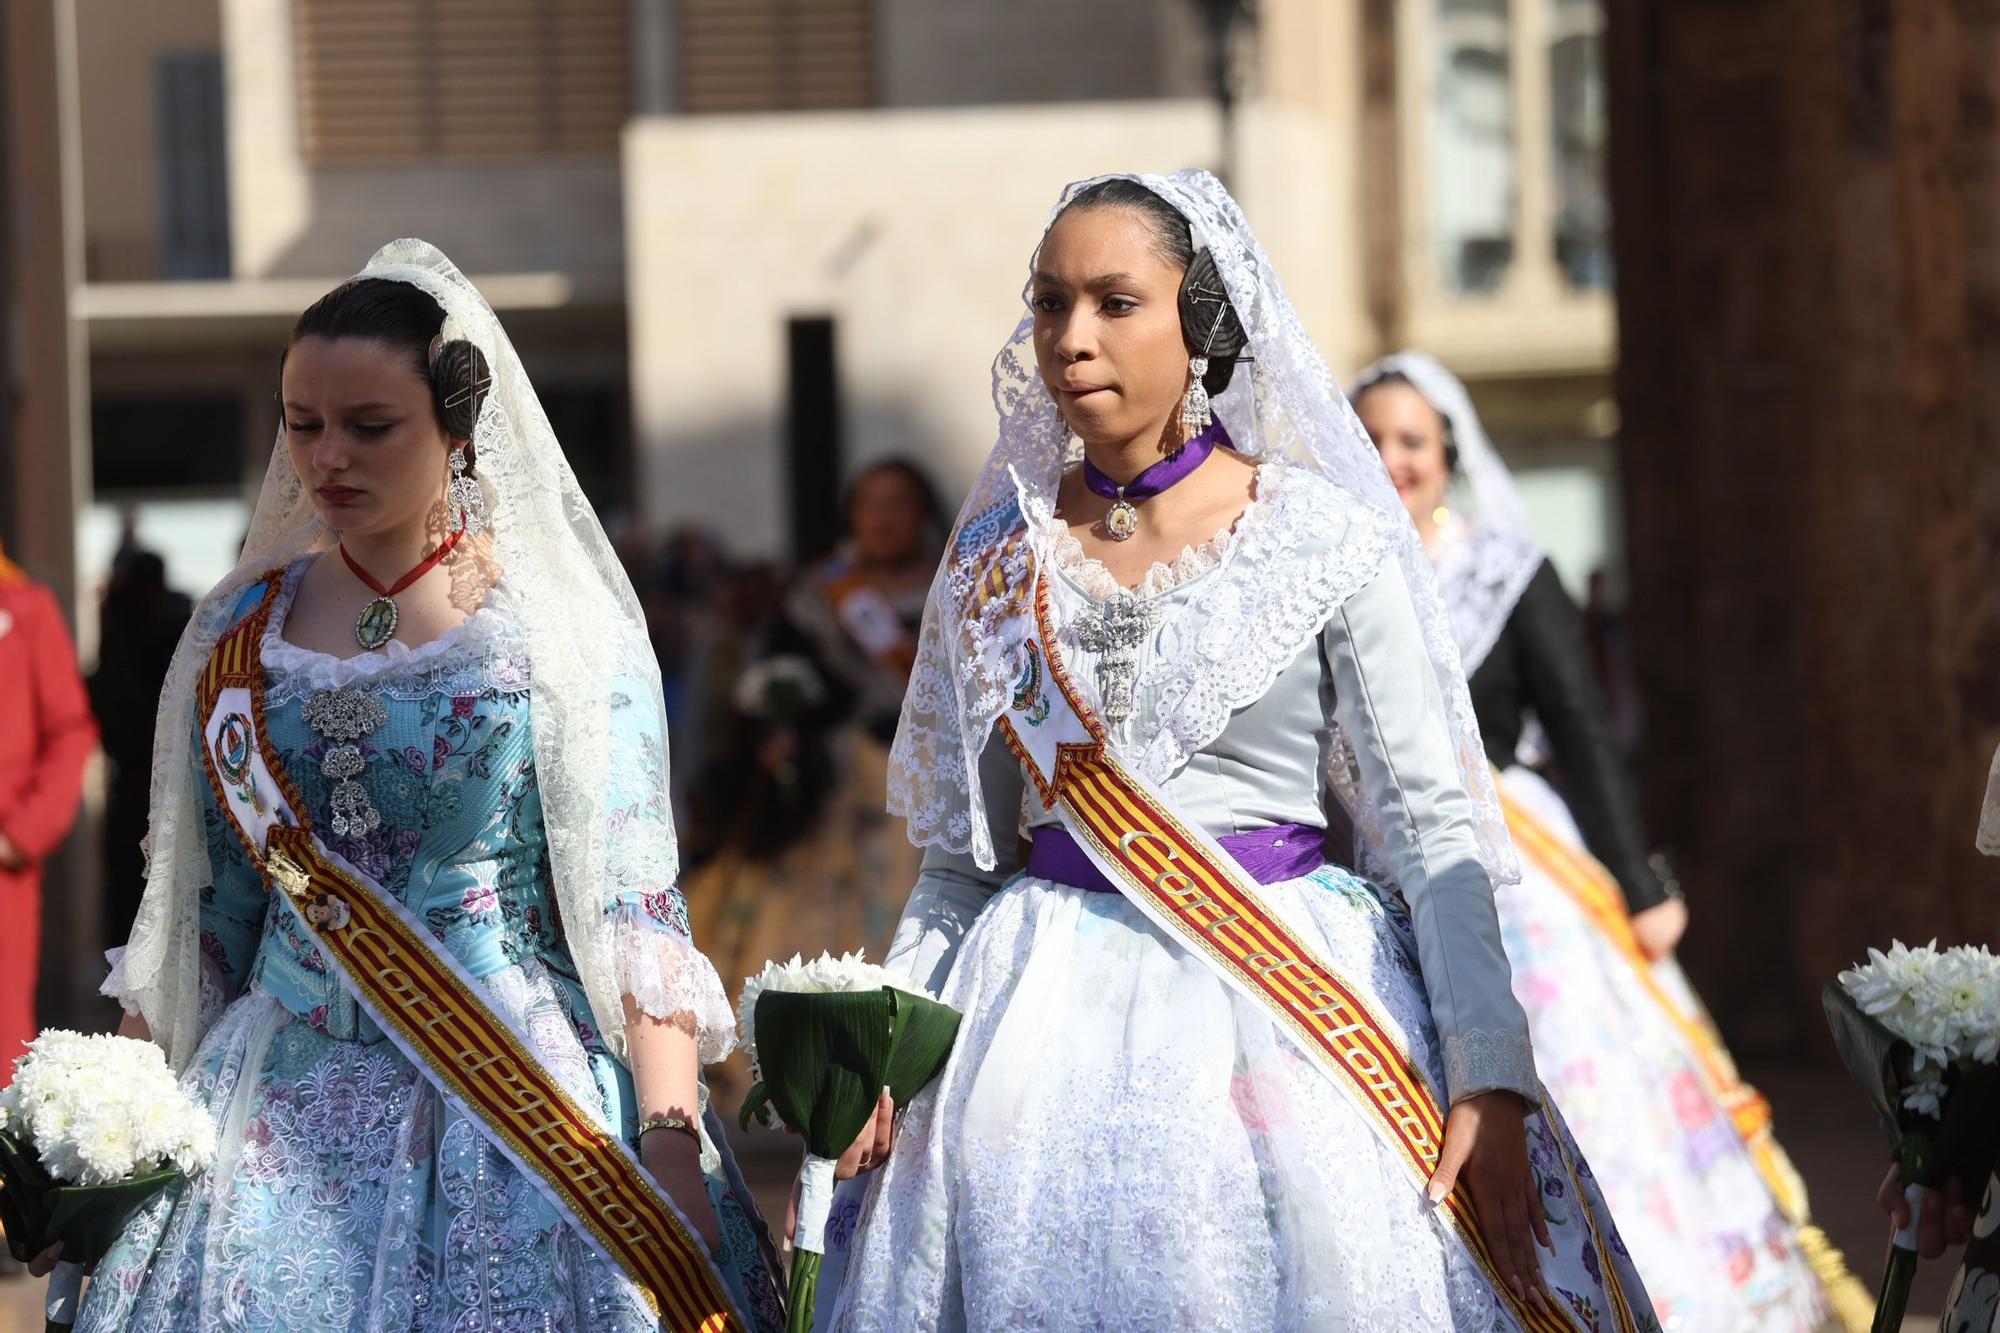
(775, 55)
(192, 159)
(384, 82)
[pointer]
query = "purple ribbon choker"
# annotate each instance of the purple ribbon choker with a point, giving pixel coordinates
(1168, 472)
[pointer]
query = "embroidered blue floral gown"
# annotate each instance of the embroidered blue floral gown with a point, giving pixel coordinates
(346, 1194)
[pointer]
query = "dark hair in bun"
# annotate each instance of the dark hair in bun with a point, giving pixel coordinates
(407, 319)
(1209, 323)
(459, 381)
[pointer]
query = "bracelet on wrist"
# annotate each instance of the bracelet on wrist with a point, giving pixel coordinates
(679, 1124)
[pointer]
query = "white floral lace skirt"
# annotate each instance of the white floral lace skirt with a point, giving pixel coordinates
(1702, 1226)
(1121, 1142)
(346, 1195)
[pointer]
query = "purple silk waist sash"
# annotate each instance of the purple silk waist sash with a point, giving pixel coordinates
(1269, 855)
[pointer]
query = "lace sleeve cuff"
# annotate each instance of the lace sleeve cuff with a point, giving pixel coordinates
(666, 975)
(1476, 1062)
(114, 987)
(210, 1000)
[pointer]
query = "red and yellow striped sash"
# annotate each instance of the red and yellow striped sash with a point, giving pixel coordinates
(438, 1012)
(1597, 895)
(1590, 886)
(1185, 881)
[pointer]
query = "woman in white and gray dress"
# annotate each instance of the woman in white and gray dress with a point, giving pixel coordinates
(1122, 1141)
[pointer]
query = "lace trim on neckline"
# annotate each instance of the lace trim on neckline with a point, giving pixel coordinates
(1094, 578)
(483, 650)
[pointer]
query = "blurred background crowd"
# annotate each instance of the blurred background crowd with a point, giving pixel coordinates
(757, 255)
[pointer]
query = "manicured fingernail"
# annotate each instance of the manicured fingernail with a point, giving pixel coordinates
(1435, 1191)
(1539, 1301)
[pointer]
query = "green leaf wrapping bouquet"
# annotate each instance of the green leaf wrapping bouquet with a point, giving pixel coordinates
(1919, 1031)
(825, 1038)
(91, 1129)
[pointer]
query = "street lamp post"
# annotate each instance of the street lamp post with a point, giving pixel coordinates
(1221, 18)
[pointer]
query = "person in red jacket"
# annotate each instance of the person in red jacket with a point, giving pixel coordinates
(46, 736)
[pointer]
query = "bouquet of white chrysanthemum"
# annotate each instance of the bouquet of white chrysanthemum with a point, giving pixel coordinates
(825, 1039)
(1919, 1030)
(91, 1129)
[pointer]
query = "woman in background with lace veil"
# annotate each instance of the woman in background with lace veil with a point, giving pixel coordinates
(808, 858)
(1715, 1216)
(1205, 1078)
(424, 709)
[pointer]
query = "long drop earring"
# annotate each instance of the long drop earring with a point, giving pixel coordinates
(1196, 414)
(465, 495)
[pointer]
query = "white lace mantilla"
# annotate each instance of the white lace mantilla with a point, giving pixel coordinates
(485, 651)
(1482, 572)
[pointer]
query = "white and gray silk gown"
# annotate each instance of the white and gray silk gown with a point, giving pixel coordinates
(1120, 1141)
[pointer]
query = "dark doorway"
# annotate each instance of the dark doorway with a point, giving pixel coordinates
(813, 453)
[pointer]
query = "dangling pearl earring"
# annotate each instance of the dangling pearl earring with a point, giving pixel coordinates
(1195, 411)
(466, 495)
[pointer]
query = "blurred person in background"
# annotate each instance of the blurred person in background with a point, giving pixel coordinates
(777, 872)
(1611, 652)
(46, 736)
(807, 856)
(857, 611)
(46, 733)
(1713, 1213)
(140, 620)
(678, 591)
(726, 631)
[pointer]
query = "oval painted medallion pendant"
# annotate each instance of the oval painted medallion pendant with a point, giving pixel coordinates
(1123, 520)
(377, 624)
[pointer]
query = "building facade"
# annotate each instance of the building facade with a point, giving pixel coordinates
(692, 212)
(747, 245)
(1424, 173)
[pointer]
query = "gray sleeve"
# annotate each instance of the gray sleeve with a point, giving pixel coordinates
(1388, 702)
(951, 889)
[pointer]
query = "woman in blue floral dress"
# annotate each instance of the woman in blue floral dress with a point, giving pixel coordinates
(497, 764)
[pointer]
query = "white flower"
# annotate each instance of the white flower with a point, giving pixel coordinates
(100, 1109)
(1945, 1004)
(823, 975)
(1926, 1096)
